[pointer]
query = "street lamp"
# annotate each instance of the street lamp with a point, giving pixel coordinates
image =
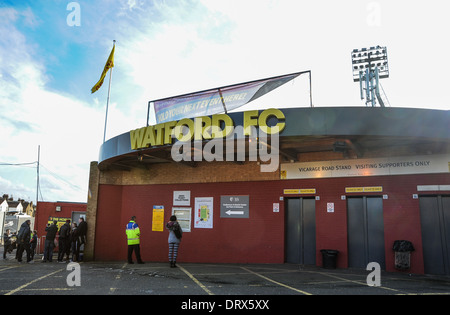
(369, 66)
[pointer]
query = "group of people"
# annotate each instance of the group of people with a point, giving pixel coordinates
(24, 240)
(71, 238)
(133, 238)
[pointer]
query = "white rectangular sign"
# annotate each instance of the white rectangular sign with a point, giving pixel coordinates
(368, 167)
(182, 198)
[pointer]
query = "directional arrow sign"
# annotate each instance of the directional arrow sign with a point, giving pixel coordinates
(234, 207)
(229, 212)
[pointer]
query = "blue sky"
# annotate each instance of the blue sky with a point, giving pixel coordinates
(171, 47)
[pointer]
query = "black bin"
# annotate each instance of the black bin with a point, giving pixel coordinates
(329, 258)
(403, 251)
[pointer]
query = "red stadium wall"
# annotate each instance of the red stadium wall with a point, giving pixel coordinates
(261, 238)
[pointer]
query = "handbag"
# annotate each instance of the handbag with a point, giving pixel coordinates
(177, 231)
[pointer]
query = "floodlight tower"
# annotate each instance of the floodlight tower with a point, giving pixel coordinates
(369, 66)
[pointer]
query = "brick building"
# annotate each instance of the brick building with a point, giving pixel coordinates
(349, 179)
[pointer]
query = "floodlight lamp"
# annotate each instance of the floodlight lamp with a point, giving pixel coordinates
(368, 66)
(370, 58)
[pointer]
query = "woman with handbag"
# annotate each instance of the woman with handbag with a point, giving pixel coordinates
(175, 234)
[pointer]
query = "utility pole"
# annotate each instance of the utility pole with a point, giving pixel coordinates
(37, 177)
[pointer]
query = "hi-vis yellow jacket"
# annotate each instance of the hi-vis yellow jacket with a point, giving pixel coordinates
(133, 233)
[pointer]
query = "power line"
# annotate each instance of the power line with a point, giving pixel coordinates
(16, 164)
(62, 179)
(49, 172)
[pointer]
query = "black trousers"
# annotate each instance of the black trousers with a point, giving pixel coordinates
(137, 251)
(20, 250)
(63, 247)
(48, 250)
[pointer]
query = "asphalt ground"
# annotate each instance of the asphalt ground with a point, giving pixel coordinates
(192, 285)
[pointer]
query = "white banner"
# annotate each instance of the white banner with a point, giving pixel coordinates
(425, 164)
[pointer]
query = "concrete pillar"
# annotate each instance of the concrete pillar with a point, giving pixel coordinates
(91, 211)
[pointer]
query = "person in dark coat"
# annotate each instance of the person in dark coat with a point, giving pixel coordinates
(64, 241)
(6, 243)
(82, 230)
(74, 241)
(23, 238)
(51, 229)
(33, 244)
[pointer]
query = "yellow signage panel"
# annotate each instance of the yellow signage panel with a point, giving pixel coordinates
(363, 189)
(158, 219)
(373, 189)
(299, 191)
(354, 189)
(291, 191)
(59, 221)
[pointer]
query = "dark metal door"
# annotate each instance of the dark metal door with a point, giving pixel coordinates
(365, 231)
(435, 224)
(301, 231)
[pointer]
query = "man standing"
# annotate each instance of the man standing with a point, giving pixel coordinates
(133, 234)
(64, 236)
(24, 237)
(81, 232)
(51, 230)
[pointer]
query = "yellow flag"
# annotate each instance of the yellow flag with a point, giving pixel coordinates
(109, 65)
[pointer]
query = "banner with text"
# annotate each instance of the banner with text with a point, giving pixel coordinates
(368, 167)
(216, 100)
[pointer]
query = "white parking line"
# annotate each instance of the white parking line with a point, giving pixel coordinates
(33, 281)
(276, 282)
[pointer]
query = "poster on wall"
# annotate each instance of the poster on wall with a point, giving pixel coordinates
(59, 221)
(203, 213)
(183, 215)
(158, 219)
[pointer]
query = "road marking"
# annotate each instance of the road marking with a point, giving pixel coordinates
(31, 282)
(195, 280)
(276, 282)
(6, 268)
(50, 289)
(354, 281)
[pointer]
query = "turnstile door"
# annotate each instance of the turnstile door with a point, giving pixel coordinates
(301, 231)
(435, 224)
(365, 231)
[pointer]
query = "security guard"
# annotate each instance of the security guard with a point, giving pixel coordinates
(133, 234)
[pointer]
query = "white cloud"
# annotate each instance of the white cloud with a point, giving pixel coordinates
(166, 48)
(16, 190)
(67, 130)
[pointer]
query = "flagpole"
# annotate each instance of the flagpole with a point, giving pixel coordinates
(107, 100)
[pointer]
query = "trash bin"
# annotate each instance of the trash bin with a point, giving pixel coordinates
(329, 258)
(403, 251)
